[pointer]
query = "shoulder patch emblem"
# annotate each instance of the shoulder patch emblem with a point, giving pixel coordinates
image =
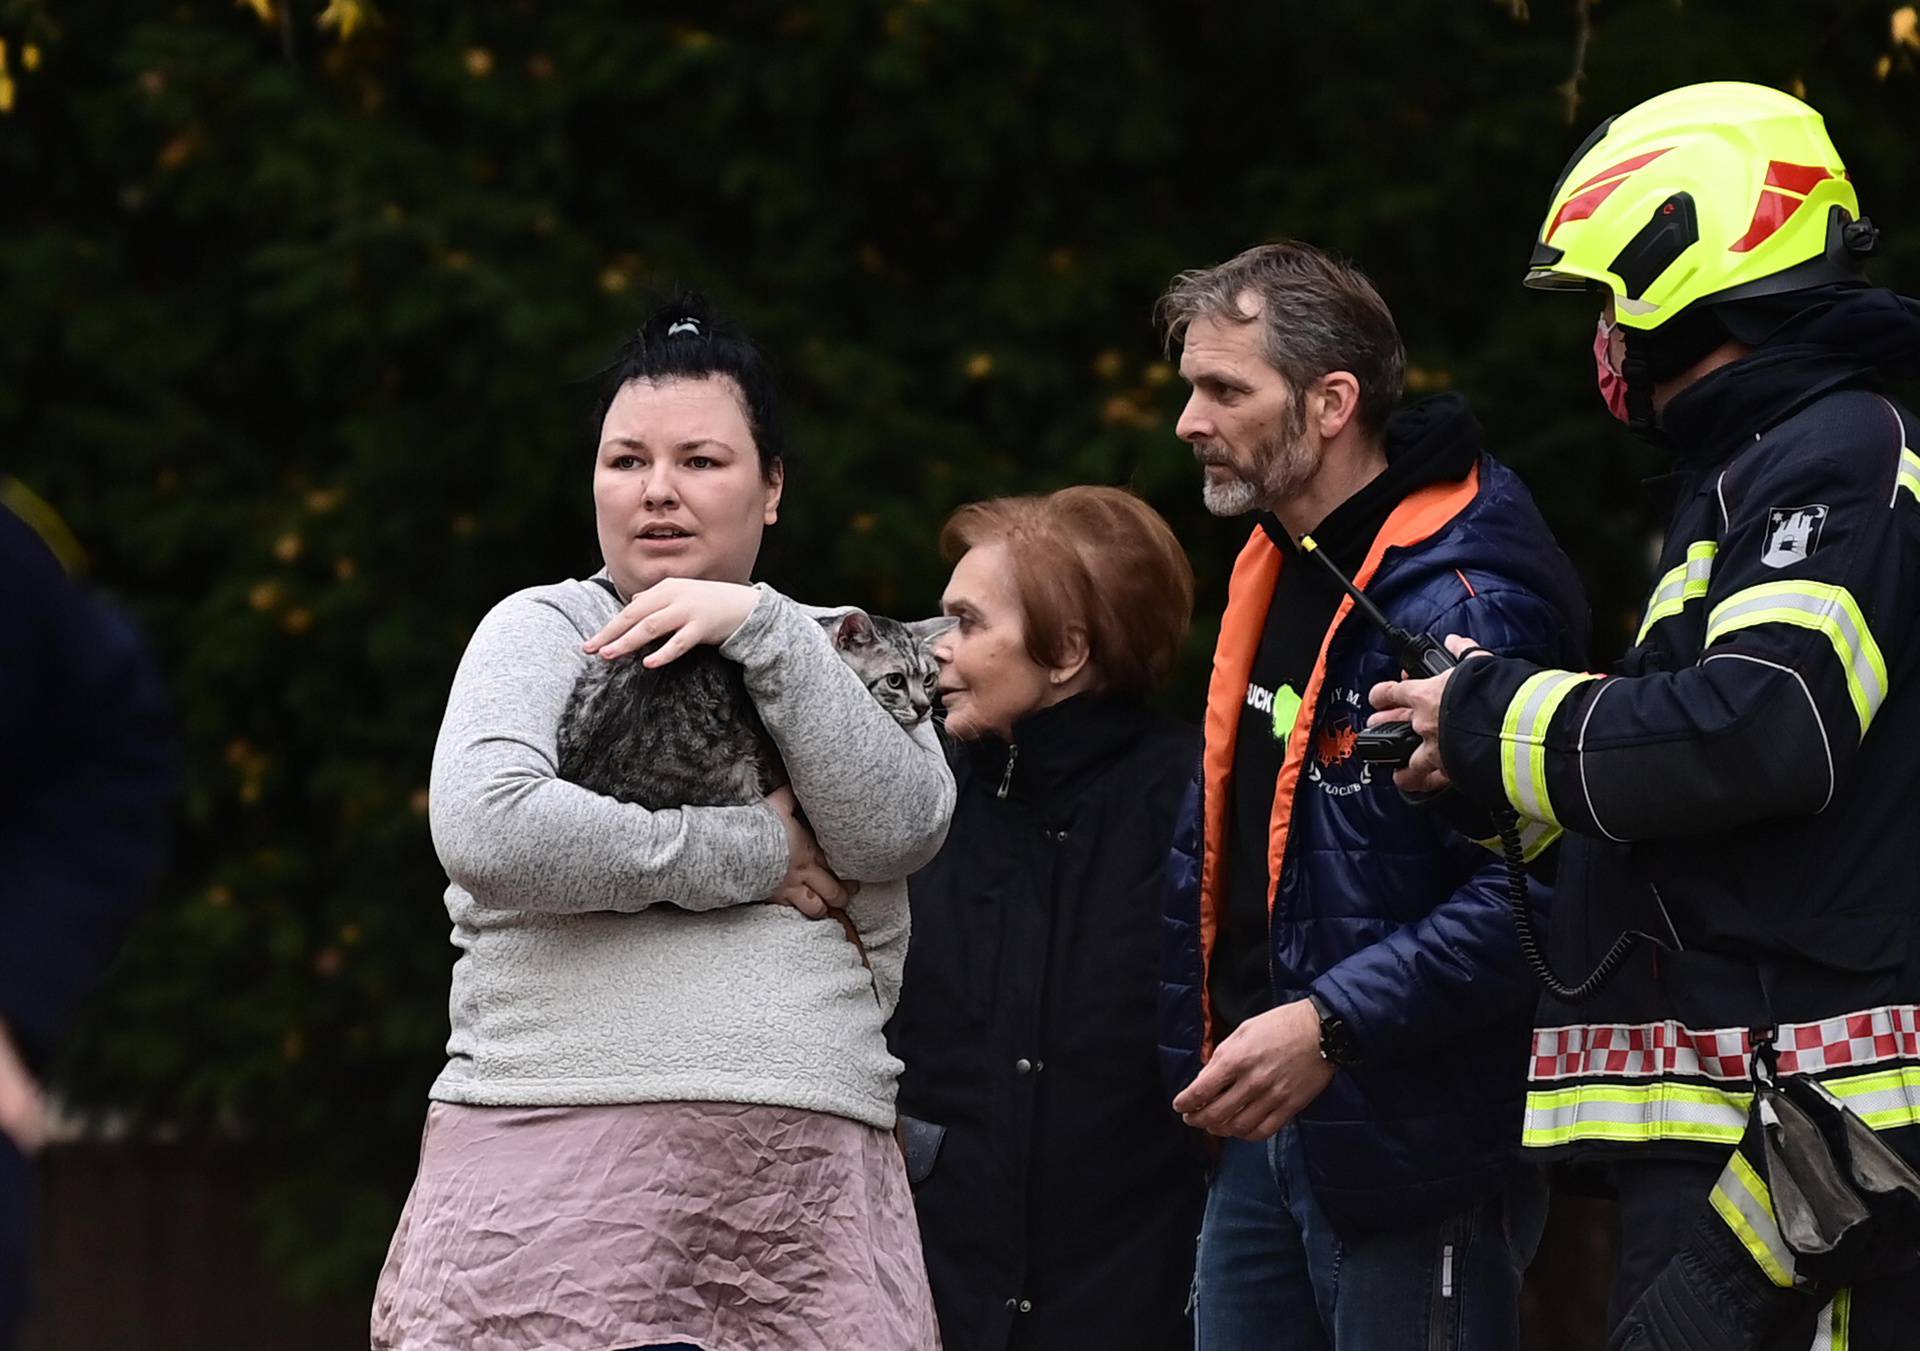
(1793, 533)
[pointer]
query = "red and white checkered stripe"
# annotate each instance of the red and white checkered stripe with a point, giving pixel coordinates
(1669, 1050)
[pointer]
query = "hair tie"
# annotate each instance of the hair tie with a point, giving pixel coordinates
(684, 326)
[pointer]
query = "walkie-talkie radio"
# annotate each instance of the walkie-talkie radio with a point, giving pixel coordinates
(1388, 743)
(1393, 743)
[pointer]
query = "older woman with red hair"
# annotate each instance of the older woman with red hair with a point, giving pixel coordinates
(1058, 1195)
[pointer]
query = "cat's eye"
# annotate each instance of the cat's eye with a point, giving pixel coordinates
(896, 681)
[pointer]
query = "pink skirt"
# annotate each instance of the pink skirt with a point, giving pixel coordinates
(603, 1228)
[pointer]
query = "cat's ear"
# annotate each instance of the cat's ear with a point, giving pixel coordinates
(852, 629)
(925, 631)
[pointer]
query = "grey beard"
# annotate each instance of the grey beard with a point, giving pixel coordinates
(1229, 497)
(1285, 467)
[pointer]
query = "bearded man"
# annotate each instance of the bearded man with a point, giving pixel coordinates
(1345, 1002)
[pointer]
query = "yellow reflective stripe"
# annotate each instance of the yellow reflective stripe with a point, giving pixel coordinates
(1633, 1113)
(1909, 476)
(1829, 610)
(1886, 1100)
(1664, 1110)
(1523, 734)
(1535, 837)
(1742, 1201)
(1833, 1331)
(1686, 582)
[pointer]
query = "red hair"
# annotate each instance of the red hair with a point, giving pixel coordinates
(1099, 560)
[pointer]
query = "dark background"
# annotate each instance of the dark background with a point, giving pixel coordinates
(299, 314)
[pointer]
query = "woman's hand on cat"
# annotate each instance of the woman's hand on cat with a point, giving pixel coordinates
(686, 611)
(809, 886)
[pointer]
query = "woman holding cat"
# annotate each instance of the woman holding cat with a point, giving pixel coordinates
(1059, 1196)
(665, 1113)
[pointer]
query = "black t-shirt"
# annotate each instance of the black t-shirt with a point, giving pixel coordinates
(1433, 442)
(1304, 601)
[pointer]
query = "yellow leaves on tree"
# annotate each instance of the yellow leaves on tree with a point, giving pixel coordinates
(1903, 27)
(347, 17)
(29, 61)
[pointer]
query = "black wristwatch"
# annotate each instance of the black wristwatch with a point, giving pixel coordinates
(1337, 1046)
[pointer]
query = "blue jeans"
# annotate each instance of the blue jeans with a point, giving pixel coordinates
(1273, 1276)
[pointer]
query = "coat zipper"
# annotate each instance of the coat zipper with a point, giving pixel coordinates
(1006, 779)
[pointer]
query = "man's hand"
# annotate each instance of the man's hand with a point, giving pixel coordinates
(23, 1111)
(686, 611)
(1261, 1077)
(1418, 701)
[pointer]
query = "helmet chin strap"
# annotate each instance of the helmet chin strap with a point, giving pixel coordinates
(1662, 354)
(1639, 377)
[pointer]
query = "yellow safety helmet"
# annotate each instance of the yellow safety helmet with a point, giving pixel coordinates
(1710, 193)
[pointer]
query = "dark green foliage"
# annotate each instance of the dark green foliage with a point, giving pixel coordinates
(298, 333)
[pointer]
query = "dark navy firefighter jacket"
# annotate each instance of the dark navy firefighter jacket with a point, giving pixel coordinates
(1747, 779)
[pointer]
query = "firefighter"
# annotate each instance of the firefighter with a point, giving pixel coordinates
(1747, 780)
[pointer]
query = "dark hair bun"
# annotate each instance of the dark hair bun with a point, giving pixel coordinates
(685, 316)
(685, 337)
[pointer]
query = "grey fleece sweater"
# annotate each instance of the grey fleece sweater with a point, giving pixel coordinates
(613, 954)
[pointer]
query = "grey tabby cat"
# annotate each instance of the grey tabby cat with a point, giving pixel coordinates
(687, 734)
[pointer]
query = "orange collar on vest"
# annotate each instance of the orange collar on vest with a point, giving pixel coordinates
(1418, 517)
